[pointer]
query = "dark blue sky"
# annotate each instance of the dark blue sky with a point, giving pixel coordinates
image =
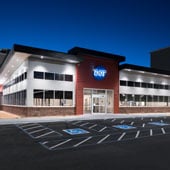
(131, 28)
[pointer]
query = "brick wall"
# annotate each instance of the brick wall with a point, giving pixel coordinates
(144, 109)
(48, 111)
(39, 111)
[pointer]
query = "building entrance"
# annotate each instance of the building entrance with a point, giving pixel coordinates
(98, 101)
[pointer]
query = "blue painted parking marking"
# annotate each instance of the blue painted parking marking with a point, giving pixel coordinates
(125, 127)
(158, 123)
(76, 131)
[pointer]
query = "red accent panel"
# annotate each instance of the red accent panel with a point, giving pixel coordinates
(85, 79)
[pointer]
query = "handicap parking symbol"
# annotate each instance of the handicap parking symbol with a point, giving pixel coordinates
(125, 127)
(76, 131)
(158, 123)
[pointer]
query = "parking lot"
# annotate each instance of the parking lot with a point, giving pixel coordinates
(100, 143)
(72, 134)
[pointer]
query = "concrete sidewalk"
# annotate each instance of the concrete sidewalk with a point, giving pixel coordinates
(6, 115)
(14, 119)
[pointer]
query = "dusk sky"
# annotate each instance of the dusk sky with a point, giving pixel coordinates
(132, 28)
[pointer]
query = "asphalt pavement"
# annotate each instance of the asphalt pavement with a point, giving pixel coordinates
(102, 144)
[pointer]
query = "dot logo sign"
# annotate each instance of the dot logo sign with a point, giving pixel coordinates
(99, 72)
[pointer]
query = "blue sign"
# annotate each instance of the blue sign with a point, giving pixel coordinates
(158, 123)
(125, 127)
(99, 72)
(75, 131)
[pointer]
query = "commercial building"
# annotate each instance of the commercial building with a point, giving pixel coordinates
(144, 89)
(43, 82)
(38, 82)
(160, 59)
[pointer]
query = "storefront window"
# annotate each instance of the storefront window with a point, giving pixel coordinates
(18, 98)
(87, 101)
(58, 101)
(53, 98)
(49, 98)
(168, 100)
(68, 98)
(143, 100)
(149, 100)
(131, 100)
(38, 97)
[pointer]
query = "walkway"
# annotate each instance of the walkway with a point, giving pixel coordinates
(8, 118)
(6, 115)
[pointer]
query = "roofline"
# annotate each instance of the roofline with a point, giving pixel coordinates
(37, 51)
(79, 50)
(142, 68)
(48, 54)
(161, 49)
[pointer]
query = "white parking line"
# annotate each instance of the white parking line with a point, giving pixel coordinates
(132, 123)
(122, 121)
(37, 130)
(151, 132)
(45, 134)
(120, 138)
(27, 125)
(143, 125)
(100, 141)
(137, 134)
(34, 127)
(43, 143)
(102, 129)
(113, 120)
(163, 130)
(92, 126)
(76, 122)
(84, 124)
(85, 140)
(59, 144)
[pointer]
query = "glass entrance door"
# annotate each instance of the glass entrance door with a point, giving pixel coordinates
(99, 104)
(97, 101)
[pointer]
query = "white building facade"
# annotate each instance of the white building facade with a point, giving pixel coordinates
(143, 88)
(38, 82)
